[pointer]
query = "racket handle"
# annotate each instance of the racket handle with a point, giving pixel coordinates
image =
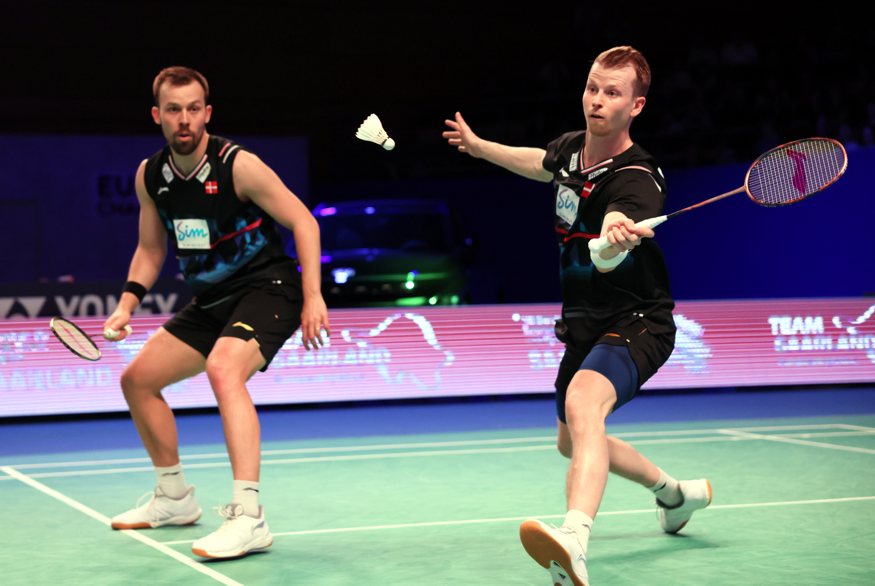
(111, 334)
(599, 244)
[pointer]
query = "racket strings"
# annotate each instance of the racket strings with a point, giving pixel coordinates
(795, 171)
(75, 339)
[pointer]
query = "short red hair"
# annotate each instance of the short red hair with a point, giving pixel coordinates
(619, 57)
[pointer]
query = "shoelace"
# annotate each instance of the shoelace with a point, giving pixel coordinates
(228, 512)
(562, 529)
(146, 499)
(570, 532)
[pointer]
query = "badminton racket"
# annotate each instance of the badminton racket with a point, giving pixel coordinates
(786, 174)
(77, 341)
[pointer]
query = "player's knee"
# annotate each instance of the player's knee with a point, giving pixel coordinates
(584, 416)
(588, 402)
(133, 382)
(217, 369)
(223, 373)
(128, 381)
(580, 405)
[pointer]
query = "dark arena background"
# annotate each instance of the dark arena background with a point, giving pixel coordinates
(411, 447)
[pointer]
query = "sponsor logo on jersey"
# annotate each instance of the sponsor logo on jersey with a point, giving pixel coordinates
(596, 173)
(566, 204)
(204, 173)
(192, 234)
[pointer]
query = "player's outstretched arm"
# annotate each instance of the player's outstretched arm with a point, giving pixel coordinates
(525, 161)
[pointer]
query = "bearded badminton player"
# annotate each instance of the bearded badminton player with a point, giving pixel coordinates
(219, 204)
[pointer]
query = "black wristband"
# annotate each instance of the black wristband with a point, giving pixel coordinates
(135, 288)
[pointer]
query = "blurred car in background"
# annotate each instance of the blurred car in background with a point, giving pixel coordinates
(400, 252)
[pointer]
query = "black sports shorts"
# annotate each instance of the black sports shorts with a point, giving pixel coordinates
(268, 312)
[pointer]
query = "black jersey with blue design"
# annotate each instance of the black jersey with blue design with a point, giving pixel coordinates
(220, 241)
(631, 183)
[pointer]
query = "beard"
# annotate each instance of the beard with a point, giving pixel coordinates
(186, 147)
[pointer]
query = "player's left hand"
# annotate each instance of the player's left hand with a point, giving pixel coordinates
(314, 320)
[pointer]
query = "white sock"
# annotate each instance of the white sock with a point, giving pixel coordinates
(667, 490)
(171, 480)
(581, 524)
(246, 494)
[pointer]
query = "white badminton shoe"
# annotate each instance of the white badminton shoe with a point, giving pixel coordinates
(159, 510)
(558, 550)
(238, 535)
(696, 495)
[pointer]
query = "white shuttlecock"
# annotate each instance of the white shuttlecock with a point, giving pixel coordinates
(372, 130)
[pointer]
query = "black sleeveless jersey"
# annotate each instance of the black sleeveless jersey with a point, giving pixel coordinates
(220, 241)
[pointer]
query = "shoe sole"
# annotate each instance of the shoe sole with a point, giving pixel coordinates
(548, 552)
(146, 525)
(684, 524)
(224, 555)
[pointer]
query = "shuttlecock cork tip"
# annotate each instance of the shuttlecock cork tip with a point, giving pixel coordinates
(389, 144)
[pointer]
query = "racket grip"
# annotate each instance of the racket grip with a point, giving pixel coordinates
(599, 244)
(111, 334)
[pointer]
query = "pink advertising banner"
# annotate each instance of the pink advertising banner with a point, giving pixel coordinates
(456, 351)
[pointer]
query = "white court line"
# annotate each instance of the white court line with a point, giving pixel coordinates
(384, 456)
(409, 445)
(157, 545)
(346, 458)
(856, 433)
(801, 442)
(789, 427)
(650, 511)
(356, 448)
(726, 436)
(859, 427)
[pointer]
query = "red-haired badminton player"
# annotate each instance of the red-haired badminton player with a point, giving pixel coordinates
(616, 305)
(219, 205)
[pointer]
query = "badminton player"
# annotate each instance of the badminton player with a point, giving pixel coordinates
(219, 204)
(616, 306)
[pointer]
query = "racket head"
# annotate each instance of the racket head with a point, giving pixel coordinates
(77, 341)
(795, 170)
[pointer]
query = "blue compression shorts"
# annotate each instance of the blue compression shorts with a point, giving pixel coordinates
(613, 362)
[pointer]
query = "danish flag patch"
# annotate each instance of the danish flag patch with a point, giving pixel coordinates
(587, 188)
(211, 187)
